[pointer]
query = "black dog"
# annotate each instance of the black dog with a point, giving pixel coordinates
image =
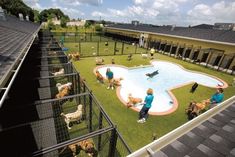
(152, 74)
(194, 87)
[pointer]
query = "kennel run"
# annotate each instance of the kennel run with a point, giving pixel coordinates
(46, 130)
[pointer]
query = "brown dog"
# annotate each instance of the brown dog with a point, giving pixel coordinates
(74, 56)
(63, 93)
(85, 145)
(88, 146)
(117, 81)
(132, 101)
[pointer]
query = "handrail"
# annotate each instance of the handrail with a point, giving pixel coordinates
(19, 66)
(173, 135)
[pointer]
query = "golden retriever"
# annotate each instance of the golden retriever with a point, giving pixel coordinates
(73, 117)
(132, 101)
(99, 77)
(117, 81)
(74, 56)
(64, 92)
(60, 86)
(85, 145)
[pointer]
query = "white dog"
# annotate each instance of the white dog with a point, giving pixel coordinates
(99, 61)
(73, 117)
(144, 55)
(60, 86)
(60, 72)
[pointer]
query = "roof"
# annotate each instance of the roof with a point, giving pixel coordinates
(15, 35)
(214, 137)
(190, 32)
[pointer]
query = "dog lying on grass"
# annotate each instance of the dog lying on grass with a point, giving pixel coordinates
(60, 86)
(58, 73)
(74, 56)
(99, 61)
(133, 101)
(73, 117)
(143, 55)
(86, 145)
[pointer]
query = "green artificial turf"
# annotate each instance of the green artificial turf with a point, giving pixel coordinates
(137, 135)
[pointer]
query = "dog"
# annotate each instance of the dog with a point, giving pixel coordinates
(99, 77)
(52, 53)
(64, 92)
(194, 87)
(73, 117)
(143, 55)
(99, 61)
(117, 81)
(133, 101)
(152, 74)
(58, 73)
(88, 146)
(74, 56)
(60, 86)
(129, 57)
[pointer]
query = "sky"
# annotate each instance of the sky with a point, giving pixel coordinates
(157, 12)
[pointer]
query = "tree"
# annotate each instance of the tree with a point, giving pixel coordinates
(63, 22)
(36, 16)
(98, 28)
(14, 7)
(47, 14)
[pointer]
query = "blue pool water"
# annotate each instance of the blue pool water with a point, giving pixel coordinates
(170, 75)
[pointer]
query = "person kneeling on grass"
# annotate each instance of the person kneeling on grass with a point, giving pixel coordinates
(109, 75)
(147, 105)
(216, 98)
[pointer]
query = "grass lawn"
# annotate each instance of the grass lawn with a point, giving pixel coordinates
(99, 48)
(137, 135)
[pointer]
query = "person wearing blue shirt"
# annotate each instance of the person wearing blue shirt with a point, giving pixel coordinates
(109, 75)
(216, 98)
(147, 105)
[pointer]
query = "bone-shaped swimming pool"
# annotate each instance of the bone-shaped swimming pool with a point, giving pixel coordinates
(170, 76)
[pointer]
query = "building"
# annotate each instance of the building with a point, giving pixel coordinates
(224, 26)
(212, 48)
(55, 21)
(76, 23)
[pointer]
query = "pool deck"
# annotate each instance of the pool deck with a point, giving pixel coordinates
(175, 102)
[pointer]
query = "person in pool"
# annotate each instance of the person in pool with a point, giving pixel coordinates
(147, 105)
(109, 75)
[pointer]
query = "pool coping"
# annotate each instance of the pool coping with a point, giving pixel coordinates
(169, 91)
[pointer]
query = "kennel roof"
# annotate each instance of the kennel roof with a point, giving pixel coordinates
(196, 33)
(214, 137)
(15, 38)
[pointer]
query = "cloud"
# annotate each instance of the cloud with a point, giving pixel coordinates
(80, 2)
(220, 11)
(98, 14)
(33, 4)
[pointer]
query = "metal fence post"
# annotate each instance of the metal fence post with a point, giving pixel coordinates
(90, 112)
(135, 48)
(122, 47)
(115, 47)
(98, 47)
(113, 142)
(79, 47)
(100, 127)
